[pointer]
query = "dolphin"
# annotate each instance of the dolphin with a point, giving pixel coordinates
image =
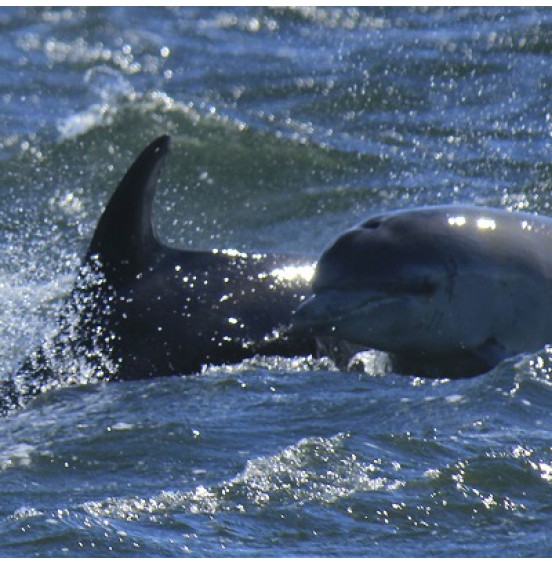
(141, 309)
(446, 291)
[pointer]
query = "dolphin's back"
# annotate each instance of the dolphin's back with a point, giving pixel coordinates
(141, 309)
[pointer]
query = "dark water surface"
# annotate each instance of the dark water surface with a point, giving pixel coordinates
(288, 126)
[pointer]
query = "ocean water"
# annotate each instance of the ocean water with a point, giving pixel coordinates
(288, 125)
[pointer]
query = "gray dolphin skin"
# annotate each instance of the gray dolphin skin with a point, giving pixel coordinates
(446, 291)
(140, 309)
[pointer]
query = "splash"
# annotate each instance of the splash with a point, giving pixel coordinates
(316, 469)
(79, 351)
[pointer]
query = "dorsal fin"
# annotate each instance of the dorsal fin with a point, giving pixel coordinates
(125, 237)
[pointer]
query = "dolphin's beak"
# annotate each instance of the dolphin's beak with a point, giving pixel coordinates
(324, 310)
(308, 315)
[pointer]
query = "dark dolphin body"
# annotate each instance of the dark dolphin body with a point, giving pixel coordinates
(445, 290)
(140, 309)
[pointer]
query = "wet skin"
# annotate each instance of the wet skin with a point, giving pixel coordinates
(141, 309)
(446, 290)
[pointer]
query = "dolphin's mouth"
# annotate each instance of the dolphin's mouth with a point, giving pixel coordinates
(324, 311)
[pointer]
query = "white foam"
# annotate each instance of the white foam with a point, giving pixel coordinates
(16, 455)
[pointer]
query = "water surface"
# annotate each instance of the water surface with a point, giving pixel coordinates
(288, 126)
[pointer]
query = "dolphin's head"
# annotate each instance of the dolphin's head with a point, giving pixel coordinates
(383, 283)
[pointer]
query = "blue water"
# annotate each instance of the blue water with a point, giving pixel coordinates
(288, 126)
